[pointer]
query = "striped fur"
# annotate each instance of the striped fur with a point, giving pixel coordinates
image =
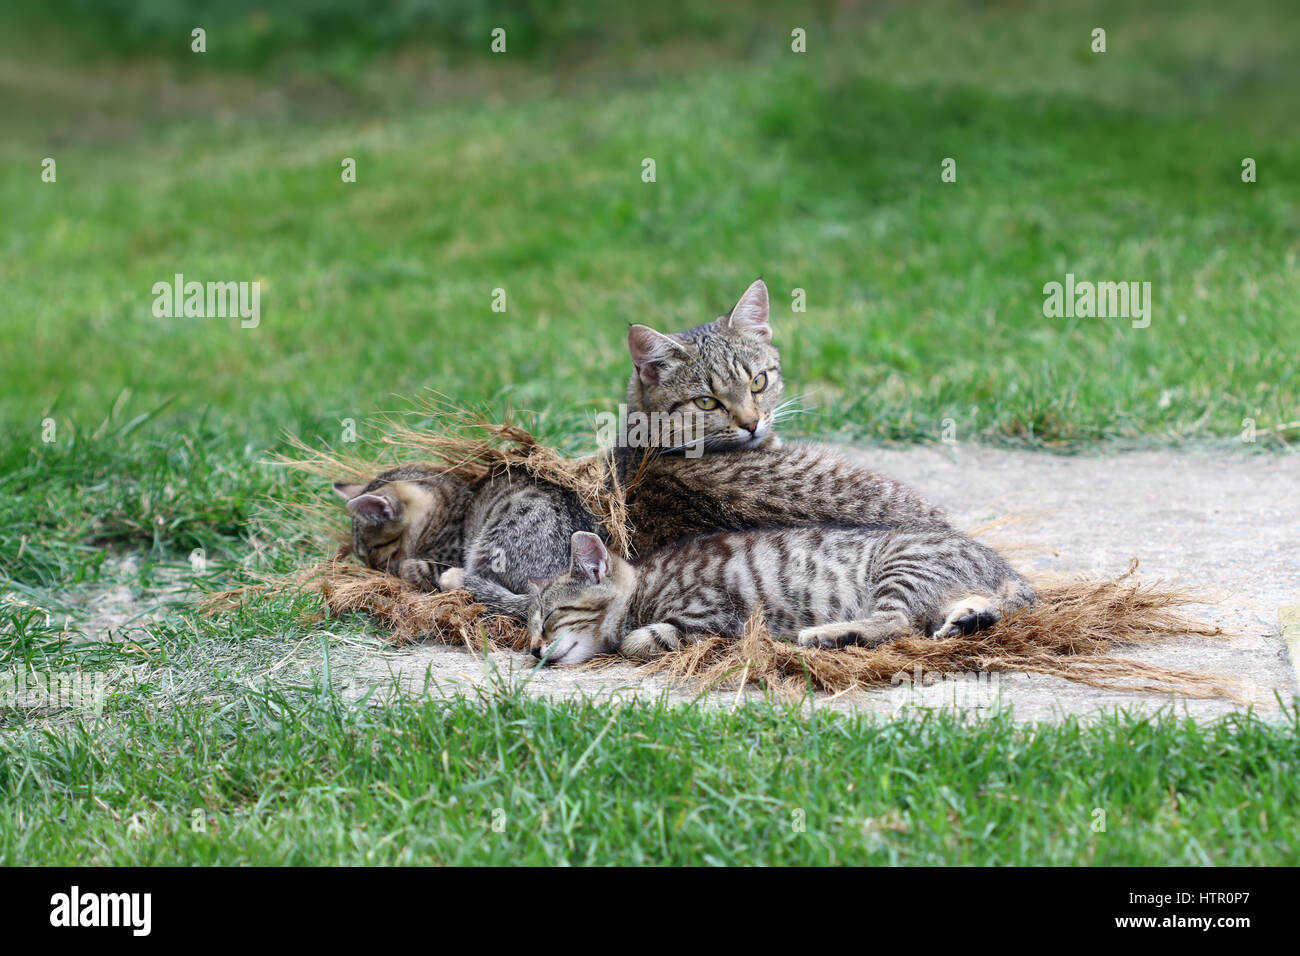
(673, 496)
(826, 586)
(441, 533)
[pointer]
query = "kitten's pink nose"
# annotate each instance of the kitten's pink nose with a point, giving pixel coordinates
(750, 425)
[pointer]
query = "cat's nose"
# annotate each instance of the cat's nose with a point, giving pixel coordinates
(749, 424)
(537, 651)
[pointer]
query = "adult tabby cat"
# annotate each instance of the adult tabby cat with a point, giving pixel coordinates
(713, 461)
(717, 385)
(830, 586)
(440, 532)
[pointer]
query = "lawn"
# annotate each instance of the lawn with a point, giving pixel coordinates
(128, 441)
(506, 779)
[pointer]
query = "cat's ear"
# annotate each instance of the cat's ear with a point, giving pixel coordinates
(650, 350)
(372, 507)
(751, 313)
(346, 491)
(535, 585)
(590, 559)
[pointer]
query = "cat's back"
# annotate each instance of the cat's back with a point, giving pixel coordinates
(526, 498)
(671, 496)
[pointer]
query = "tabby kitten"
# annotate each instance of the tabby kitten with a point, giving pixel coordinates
(717, 385)
(829, 586)
(490, 536)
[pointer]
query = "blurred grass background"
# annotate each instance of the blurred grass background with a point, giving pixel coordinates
(522, 171)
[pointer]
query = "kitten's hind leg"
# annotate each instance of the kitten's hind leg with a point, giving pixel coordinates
(976, 612)
(880, 628)
(428, 576)
(969, 614)
(497, 598)
(650, 641)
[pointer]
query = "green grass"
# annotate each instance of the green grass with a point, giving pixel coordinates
(506, 779)
(818, 171)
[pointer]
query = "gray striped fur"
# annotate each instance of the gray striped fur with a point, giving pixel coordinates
(824, 586)
(440, 532)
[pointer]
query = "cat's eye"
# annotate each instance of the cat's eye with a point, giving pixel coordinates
(759, 383)
(707, 402)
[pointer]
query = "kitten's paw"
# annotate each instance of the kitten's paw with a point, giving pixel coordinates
(653, 640)
(423, 574)
(970, 614)
(869, 632)
(830, 636)
(453, 579)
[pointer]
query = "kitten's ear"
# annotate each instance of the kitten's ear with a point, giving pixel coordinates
(346, 491)
(372, 507)
(650, 349)
(751, 313)
(590, 559)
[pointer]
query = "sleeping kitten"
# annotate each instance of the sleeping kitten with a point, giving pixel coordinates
(830, 586)
(717, 385)
(489, 536)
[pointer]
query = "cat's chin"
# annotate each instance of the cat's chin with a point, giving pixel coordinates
(767, 441)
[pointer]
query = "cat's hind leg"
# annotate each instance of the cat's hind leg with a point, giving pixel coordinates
(976, 612)
(428, 576)
(497, 598)
(880, 628)
(452, 579)
(969, 614)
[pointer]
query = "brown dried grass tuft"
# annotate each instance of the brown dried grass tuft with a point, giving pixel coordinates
(408, 614)
(1072, 633)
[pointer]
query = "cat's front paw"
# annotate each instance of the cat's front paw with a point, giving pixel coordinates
(829, 636)
(869, 632)
(423, 574)
(654, 640)
(453, 579)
